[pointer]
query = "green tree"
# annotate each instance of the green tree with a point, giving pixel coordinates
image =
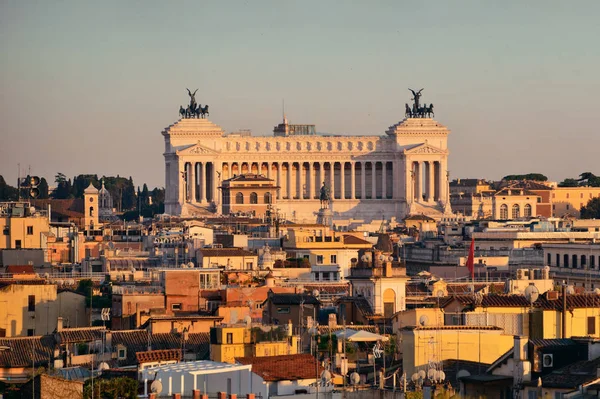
(589, 179)
(568, 183)
(528, 176)
(81, 182)
(592, 209)
(7, 192)
(116, 388)
(129, 197)
(63, 187)
(43, 187)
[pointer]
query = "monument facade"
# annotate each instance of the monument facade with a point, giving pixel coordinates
(401, 172)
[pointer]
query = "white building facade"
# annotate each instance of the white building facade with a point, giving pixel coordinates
(401, 172)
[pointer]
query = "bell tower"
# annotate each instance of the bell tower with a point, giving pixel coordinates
(90, 207)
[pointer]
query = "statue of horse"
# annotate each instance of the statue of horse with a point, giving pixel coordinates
(407, 112)
(182, 111)
(204, 111)
(198, 111)
(430, 110)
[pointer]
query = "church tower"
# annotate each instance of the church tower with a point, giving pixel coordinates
(90, 207)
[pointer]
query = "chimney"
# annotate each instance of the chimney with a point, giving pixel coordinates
(59, 324)
(520, 348)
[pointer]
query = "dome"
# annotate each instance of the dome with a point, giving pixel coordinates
(384, 244)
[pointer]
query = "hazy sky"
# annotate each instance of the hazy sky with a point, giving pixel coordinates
(87, 87)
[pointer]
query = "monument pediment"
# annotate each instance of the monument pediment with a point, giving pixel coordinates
(196, 149)
(424, 149)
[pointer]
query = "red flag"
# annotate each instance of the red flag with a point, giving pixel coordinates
(471, 258)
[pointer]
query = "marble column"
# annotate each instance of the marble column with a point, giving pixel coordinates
(352, 180)
(321, 175)
(374, 180)
(193, 177)
(343, 180)
(203, 182)
(363, 185)
(332, 178)
(311, 180)
(384, 180)
(288, 179)
(268, 170)
(302, 180)
(278, 179)
(213, 184)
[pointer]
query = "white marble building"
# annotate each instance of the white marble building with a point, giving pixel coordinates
(401, 172)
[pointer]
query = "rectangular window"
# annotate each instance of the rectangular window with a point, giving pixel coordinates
(175, 306)
(282, 309)
(31, 303)
(122, 354)
(29, 230)
(591, 325)
(6, 231)
(333, 258)
(249, 266)
(230, 338)
(319, 259)
(30, 332)
(18, 244)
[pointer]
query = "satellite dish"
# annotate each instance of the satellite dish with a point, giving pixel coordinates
(103, 366)
(354, 378)
(390, 258)
(422, 374)
(248, 320)
(597, 291)
(439, 293)
(532, 293)
(315, 293)
(415, 377)
(423, 320)
(462, 373)
(431, 374)
(442, 375)
(325, 376)
(570, 290)
(156, 387)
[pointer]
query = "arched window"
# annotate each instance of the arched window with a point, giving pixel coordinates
(91, 211)
(527, 211)
(583, 261)
(574, 265)
(557, 260)
(516, 211)
(239, 198)
(566, 260)
(503, 212)
(592, 262)
(253, 198)
(267, 198)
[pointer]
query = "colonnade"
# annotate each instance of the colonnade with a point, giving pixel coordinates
(298, 180)
(427, 178)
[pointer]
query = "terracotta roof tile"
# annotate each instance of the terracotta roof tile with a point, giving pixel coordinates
(160, 355)
(573, 375)
(82, 334)
(353, 240)
(22, 348)
(292, 299)
(284, 368)
(20, 269)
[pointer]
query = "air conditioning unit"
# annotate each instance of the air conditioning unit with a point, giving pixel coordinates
(548, 360)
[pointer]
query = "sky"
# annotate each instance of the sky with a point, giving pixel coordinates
(87, 87)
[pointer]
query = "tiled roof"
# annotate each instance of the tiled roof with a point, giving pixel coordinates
(71, 208)
(326, 288)
(23, 348)
(293, 299)
(419, 217)
(82, 334)
(209, 252)
(20, 269)
(414, 288)
(573, 375)
(353, 240)
(137, 341)
(551, 343)
(249, 177)
(160, 355)
(284, 368)
(574, 301)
